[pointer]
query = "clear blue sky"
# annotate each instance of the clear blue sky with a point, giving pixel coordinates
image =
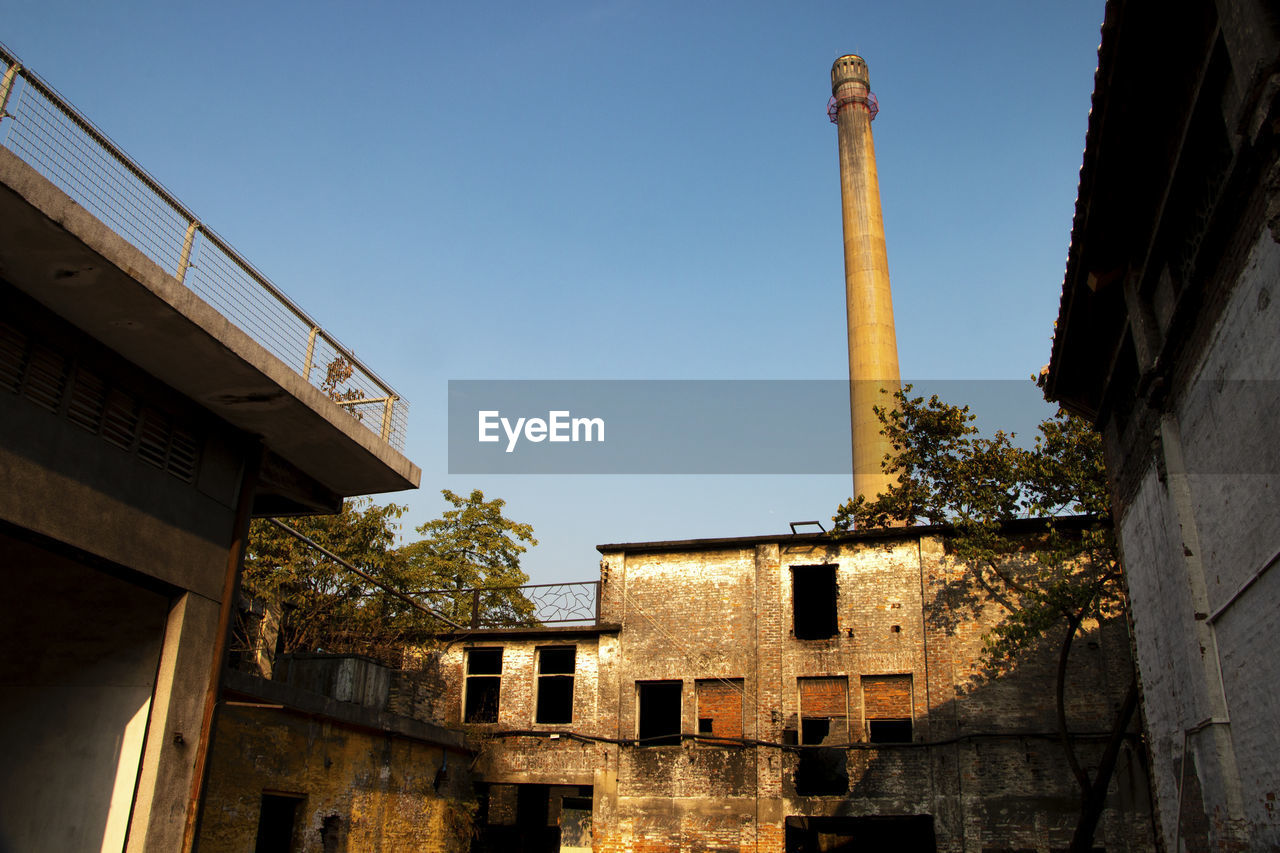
(616, 190)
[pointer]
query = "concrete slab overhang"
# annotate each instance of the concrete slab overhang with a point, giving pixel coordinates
(62, 256)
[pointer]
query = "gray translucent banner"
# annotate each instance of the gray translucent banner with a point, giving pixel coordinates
(754, 426)
(684, 426)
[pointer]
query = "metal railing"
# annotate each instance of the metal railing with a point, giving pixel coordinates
(531, 605)
(41, 127)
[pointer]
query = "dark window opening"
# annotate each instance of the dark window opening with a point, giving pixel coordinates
(889, 731)
(276, 823)
(814, 732)
(532, 818)
(484, 662)
(532, 806)
(482, 700)
(813, 602)
(555, 699)
(557, 660)
(484, 684)
(555, 685)
(704, 726)
(659, 707)
(900, 833)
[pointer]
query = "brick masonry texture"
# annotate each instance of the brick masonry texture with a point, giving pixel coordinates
(721, 701)
(707, 616)
(824, 697)
(886, 697)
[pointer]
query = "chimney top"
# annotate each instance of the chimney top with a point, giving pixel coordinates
(849, 68)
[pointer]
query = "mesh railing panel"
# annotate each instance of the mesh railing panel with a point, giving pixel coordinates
(572, 603)
(46, 136)
(40, 127)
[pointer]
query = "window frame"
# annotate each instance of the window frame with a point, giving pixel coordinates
(667, 738)
(909, 719)
(549, 678)
(471, 681)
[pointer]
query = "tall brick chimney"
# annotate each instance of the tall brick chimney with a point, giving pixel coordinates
(873, 344)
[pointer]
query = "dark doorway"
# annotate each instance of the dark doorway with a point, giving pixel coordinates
(276, 823)
(895, 834)
(531, 818)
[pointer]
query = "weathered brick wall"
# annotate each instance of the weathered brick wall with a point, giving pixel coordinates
(518, 690)
(377, 791)
(539, 761)
(1231, 489)
(419, 689)
(534, 759)
(682, 629)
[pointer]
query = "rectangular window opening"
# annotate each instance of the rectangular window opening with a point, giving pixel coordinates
(813, 602)
(484, 683)
(814, 732)
(719, 707)
(902, 834)
(887, 708)
(556, 665)
(659, 712)
(889, 731)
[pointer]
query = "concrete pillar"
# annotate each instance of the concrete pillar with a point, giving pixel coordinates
(162, 797)
(873, 344)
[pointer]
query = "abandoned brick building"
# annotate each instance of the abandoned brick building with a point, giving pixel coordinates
(783, 693)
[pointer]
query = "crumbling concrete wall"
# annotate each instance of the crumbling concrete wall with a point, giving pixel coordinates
(1204, 596)
(356, 788)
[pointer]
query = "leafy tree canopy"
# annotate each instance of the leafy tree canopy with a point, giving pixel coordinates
(323, 606)
(326, 607)
(1049, 582)
(473, 545)
(947, 473)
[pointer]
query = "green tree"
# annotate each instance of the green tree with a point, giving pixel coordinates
(1048, 585)
(322, 605)
(325, 607)
(473, 546)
